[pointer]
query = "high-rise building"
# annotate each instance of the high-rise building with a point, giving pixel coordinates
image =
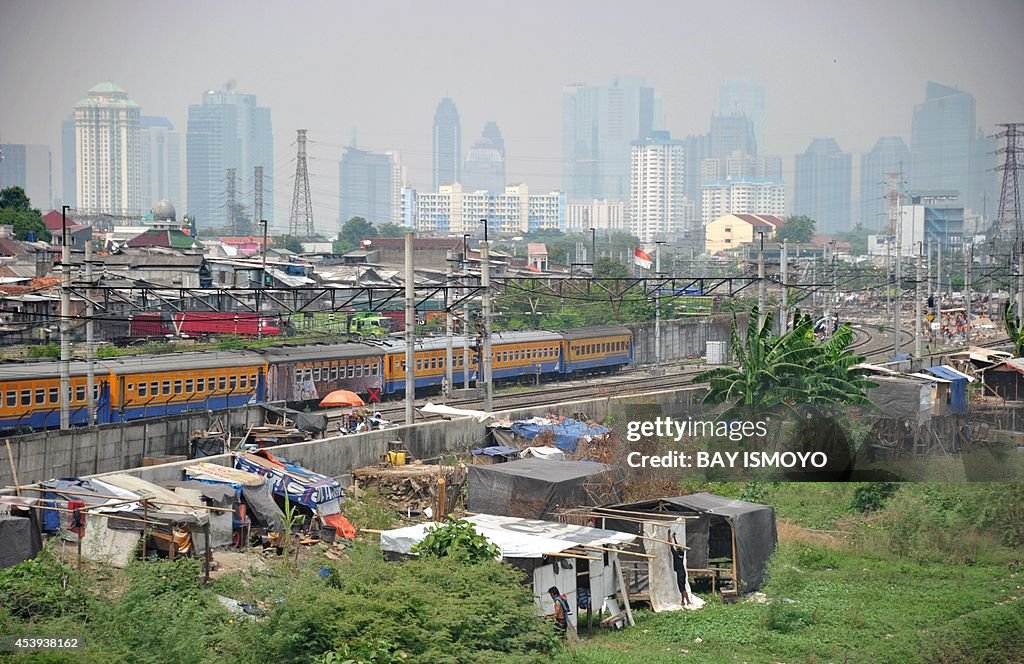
(227, 130)
(742, 195)
(371, 185)
(741, 165)
(657, 193)
(694, 153)
(602, 214)
(730, 134)
(822, 186)
(744, 97)
(485, 162)
(161, 161)
(67, 162)
(447, 144)
(108, 168)
(452, 210)
(890, 155)
(945, 150)
(28, 167)
(599, 125)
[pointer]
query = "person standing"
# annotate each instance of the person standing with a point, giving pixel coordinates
(561, 608)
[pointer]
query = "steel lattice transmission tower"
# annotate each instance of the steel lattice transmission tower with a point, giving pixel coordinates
(301, 224)
(231, 201)
(1009, 196)
(258, 195)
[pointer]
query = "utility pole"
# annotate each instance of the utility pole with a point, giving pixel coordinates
(783, 298)
(257, 208)
(917, 299)
(760, 285)
(232, 222)
(485, 357)
(967, 287)
(896, 223)
(1020, 280)
(410, 331)
(263, 274)
(65, 323)
(448, 371)
(826, 253)
(657, 309)
(90, 344)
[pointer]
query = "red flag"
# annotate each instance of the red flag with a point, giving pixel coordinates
(642, 258)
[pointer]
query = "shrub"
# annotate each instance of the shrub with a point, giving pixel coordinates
(457, 539)
(873, 496)
(40, 588)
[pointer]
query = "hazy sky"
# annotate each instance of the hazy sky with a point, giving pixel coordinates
(852, 70)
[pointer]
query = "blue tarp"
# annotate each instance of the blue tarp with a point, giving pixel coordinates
(957, 390)
(564, 434)
(496, 450)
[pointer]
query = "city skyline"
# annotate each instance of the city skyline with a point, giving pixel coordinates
(817, 80)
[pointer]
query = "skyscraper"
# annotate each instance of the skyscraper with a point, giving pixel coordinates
(371, 186)
(67, 161)
(228, 130)
(28, 167)
(485, 162)
(744, 97)
(161, 161)
(890, 155)
(599, 125)
(822, 189)
(656, 187)
(108, 173)
(942, 143)
(447, 144)
(729, 134)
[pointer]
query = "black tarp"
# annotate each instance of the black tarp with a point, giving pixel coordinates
(262, 507)
(534, 488)
(19, 540)
(308, 422)
(753, 525)
(215, 495)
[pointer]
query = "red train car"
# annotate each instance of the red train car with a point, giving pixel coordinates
(202, 323)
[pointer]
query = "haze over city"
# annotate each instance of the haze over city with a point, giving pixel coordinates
(853, 72)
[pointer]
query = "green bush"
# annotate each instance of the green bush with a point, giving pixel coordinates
(48, 351)
(458, 540)
(873, 495)
(40, 588)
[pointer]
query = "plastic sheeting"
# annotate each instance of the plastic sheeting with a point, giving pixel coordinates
(449, 411)
(18, 542)
(667, 575)
(534, 488)
(564, 434)
(901, 398)
(550, 453)
(958, 389)
(312, 490)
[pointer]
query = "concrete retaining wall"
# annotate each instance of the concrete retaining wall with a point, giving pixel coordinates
(78, 452)
(679, 338)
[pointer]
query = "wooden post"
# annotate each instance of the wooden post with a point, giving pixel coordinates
(208, 557)
(735, 558)
(442, 502)
(14, 469)
(625, 593)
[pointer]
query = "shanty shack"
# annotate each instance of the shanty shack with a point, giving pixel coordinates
(1006, 379)
(534, 488)
(728, 540)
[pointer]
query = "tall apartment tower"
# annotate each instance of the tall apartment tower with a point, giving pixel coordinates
(657, 206)
(890, 155)
(370, 186)
(822, 186)
(744, 97)
(161, 161)
(599, 125)
(485, 162)
(447, 144)
(227, 130)
(108, 162)
(28, 167)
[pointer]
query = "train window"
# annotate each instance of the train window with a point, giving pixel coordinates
(95, 392)
(167, 387)
(26, 397)
(352, 370)
(40, 396)
(334, 373)
(190, 386)
(154, 389)
(177, 387)
(243, 382)
(54, 395)
(200, 384)
(435, 363)
(317, 374)
(403, 367)
(80, 393)
(142, 389)
(359, 371)
(233, 383)
(12, 399)
(373, 369)
(222, 382)
(366, 369)
(252, 380)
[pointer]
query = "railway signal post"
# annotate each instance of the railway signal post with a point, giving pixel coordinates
(410, 331)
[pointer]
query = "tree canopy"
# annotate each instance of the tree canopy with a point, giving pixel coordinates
(289, 242)
(797, 228)
(16, 210)
(391, 230)
(14, 198)
(352, 232)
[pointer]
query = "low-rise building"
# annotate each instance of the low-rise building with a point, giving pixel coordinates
(731, 231)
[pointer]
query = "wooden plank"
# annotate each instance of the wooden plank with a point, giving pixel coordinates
(625, 594)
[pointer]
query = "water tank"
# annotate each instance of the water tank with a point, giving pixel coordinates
(718, 352)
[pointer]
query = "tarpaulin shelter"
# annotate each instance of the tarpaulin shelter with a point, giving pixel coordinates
(20, 535)
(495, 454)
(308, 422)
(252, 489)
(958, 387)
(901, 398)
(564, 433)
(318, 493)
(533, 488)
(553, 554)
(725, 529)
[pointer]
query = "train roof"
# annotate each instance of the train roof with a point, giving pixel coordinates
(596, 331)
(524, 336)
(397, 346)
(38, 370)
(280, 354)
(131, 364)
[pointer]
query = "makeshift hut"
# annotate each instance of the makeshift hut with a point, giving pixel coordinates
(564, 433)
(729, 540)
(958, 380)
(254, 501)
(1006, 379)
(582, 562)
(494, 454)
(534, 488)
(20, 530)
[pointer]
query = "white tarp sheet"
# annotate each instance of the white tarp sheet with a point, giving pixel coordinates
(449, 411)
(550, 453)
(663, 579)
(517, 538)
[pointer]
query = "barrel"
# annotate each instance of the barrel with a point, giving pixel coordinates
(718, 352)
(396, 458)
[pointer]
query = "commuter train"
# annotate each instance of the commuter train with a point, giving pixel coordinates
(133, 387)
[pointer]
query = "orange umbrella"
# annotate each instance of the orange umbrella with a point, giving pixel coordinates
(342, 398)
